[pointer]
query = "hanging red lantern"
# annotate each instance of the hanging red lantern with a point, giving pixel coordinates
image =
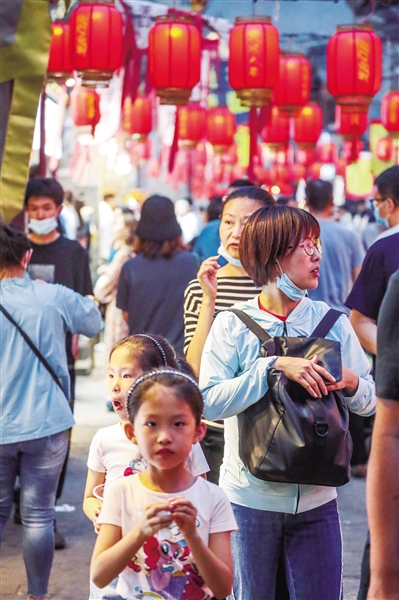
(96, 42)
(59, 66)
(314, 171)
(137, 117)
(220, 127)
(276, 133)
(327, 152)
(349, 124)
(174, 57)
(293, 88)
(85, 107)
(340, 166)
(351, 150)
(305, 156)
(354, 66)
(390, 111)
(254, 59)
(308, 125)
(192, 119)
(384, 149)
(297, 172)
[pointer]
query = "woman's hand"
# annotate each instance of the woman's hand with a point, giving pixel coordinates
(307, 373)
(207, 276)
(155, 517)
(96, 515)
(185, 516)
(349, 382)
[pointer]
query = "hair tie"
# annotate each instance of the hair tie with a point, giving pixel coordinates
(151, 374)
(158, 345)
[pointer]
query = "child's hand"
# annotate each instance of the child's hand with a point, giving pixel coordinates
(155, 517)
(185, 516)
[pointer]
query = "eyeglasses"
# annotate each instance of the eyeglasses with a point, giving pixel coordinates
(379, 200)
(311, 245)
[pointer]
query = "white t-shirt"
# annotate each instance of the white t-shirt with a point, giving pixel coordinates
(164, 565)
(112, 453)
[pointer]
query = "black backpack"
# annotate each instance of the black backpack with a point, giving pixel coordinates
(289, 436)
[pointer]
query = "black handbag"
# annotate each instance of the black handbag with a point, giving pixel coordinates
(289, 436)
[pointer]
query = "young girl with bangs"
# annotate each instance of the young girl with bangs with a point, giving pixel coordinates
(281, 251)
(165, 532)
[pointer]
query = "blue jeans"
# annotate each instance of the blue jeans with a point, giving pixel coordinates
(40, 463)
(310, 543)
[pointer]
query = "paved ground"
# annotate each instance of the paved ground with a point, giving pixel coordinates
(70, 574)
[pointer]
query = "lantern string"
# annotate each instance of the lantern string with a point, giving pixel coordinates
(370, 13)
(253, 139)
(175, 143)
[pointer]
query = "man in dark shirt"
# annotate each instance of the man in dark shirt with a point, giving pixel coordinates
(365, 299)
(55, 259)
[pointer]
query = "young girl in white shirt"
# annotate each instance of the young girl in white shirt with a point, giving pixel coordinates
(111, 453)
(165, 532)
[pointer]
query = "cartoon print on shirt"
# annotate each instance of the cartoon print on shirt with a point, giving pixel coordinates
(137, 465)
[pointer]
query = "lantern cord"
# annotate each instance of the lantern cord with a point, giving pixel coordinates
(42, 155)
(253, 140)
(370, 13)
(175, 143)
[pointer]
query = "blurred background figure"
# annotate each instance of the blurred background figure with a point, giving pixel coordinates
(123, 231)
(189, 220)
(69, 216)
(105, 220)
(208, 241)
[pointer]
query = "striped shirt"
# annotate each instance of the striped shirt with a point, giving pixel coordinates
(230, 290)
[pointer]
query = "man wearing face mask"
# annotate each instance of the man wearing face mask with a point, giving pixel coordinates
(55, 259)
(381, 261)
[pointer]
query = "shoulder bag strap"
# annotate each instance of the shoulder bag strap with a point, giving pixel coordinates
(326, 323)
(34, 349)
(251, 324)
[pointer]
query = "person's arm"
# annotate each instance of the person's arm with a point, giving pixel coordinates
(383, 502)
(108, 280)
(355, 273)
(366, 330)
(113, 552)
(91, 505)
(209, 284)
(214, 561)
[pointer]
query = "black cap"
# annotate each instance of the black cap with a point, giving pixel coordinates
(158, 220)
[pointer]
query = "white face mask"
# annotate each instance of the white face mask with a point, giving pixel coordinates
(288, 287)
(43, 226)
(233, 261)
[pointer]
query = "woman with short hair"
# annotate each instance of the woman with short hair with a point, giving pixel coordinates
(280, 249)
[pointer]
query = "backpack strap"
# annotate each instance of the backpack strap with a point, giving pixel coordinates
(324, 326)
(251, 324)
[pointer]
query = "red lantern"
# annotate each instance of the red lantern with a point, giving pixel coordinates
(174, 57)
(308, 124)
(351, 150)
(354, 66)
(305, 156)
(221, 127)
(192, 120)
(293, 88)
(96, 42)
(253, 59)
(59, 66)
(85, 107)
(349, 124)
(297, 172)
(327, 152)
(137, 117)
(390, 111)
(276, 133)
(384, 149)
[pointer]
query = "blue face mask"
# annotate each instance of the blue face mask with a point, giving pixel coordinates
(288, 287)
(233, 261)
(380, 220)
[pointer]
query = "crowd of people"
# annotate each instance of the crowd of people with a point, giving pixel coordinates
(192, 321)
